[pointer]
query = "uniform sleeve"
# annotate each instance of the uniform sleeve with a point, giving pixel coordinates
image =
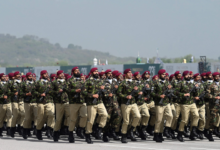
(177, 92)
(70, 89)
(119, 92)
(22, 90)
(209, 95)
(155, 92)
(85, 90)
(36, 92)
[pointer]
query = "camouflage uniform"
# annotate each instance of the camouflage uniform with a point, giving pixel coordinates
(5, 105)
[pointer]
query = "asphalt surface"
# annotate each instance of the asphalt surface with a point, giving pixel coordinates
(18, 143)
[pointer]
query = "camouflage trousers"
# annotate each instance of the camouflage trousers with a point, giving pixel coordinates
(113, 119)
(214, 115)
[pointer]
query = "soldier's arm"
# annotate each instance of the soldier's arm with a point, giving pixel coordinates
(55, 89)
(155, 92)
(209, 95)
(85, 90)
(36, 91)
(178, 92)
(119, 92)
(22, 90)
(71, 86)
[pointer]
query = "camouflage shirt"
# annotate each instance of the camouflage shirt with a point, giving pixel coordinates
(16, 87)
(74, 84)
(126, 88)
(160, 86)
(4, 90)
(60, 97)
(206, 85)
(92, 86)
(176, 85)
(201, 92)
(148, 93)
(212, 91)
(41, 87)
(183, 88)
(28, 87)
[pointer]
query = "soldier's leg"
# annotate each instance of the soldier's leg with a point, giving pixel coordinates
(159, 118)
(74, 108)
(152, 113)
(176, 116)
(135, 115)
(15, 113)
(168, 116)
(22, 113)
(49, 110)
(9, 115)
(207, 115)
(3, 109)
(67, 114)
(125, 109)
(83, 115)
(103, 114)
(40, 116)
(28, 115)
(201, 118)
(145, 115)
(35, 113)
(185, 111)
(92, 111)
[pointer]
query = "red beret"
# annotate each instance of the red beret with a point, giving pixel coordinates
(115, 72)
(59, 72)
(75, 69)
(171, 77)
(28, 74)
(11, 75)
(208, 73)
(81, 74)
(203, 74)
(93, 69)
(155, 76)
(161, 71)
(16, 73)
(87, 77)
(108, 70)
(43, 72)
(23, 76)
(215, 74)
(118, 74)
(145, 72)
(123, 75)
(53, 75)
(195, 75)
(126, 71)
(177, 72)
(6, 75)
(167, 74)
(101, 74)
(34, 75)
(69, 76)
(136, 73)
(190, 72)
(1, 74)
(185, 73)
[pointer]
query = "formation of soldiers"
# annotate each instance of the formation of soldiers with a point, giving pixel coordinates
(111, 105)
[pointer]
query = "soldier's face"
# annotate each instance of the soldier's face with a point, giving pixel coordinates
(162, 76)
(197, 78)
(210, 77)
(30, 77)
(95, 74)
(167, 77)
(3, 78)
(179, 76)
(104, 76)
(129, 75)
(138, 76)
(147, 76)
(44, 76)
(61, 76)
(109, 75)
(216, 78)
(18, 76)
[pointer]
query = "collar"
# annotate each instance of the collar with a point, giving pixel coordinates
(162, 80)
(110, 81)
(43, 80)
(209, 81)
(60, 80)
(18, 81)
(130, 80)
(115, 79)
(29, 82)
(3, 82)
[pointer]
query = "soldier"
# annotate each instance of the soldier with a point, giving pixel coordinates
(112, 107)
(188, 93)
(127, 91)
(149, 102)
(204, 78)
(155, 78)
(162, 105)
(93, 92)
(44, 93)
(114, 74)
(30, 105)
(167, 76)
(142, 107)
(172, 77)
(61, 101)
(17, 104)
(78, 108)
(213, 95)
(102, 75)
(5, 104)
(53, 77)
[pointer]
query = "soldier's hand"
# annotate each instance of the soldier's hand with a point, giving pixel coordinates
(129, 97)
(140, 93)
(16, 93)
(95, 96)
(5, 97)
(169, 86)
(102, 87)
(145, 98)
(196, 98)
(60, 90)
(110, 95)
(116, 86)
(218, 97)
(196, 85)
(28, 94)
(42, 95)
(162, 96)
(78, 90)
(187, 94)
(135, 88)
(147, 86)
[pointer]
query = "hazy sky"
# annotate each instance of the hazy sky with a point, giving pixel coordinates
(120, 27)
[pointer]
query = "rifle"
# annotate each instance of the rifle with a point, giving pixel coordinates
(100, 92)
(27, 98)
(217, 101)
(192, 90)
(42, 97)
(77, 95)
(145, 91)
(64, 88)
(168, 93)
(201, 96)
(16, 96)
(132, 94)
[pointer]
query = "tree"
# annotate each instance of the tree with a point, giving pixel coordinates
(71, 46)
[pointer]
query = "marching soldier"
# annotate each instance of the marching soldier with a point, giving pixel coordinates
(127, 91)
(78, 108)
(5, 103)
(44, 93)
(93, 93)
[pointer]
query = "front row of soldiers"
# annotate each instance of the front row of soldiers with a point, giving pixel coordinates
(113, 106)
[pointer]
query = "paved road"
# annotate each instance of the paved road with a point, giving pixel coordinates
(18, 143)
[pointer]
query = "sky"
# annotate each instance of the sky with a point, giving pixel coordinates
(121, 27)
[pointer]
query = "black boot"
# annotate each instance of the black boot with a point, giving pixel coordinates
(29, 133)
(71, 137)
(49, 132)
(24, 133)
(185, 132)
(20, 131)
(81, 133)
(180, 136)
(99, 133)
(94, 129)
(105, 137)
(88, 139)
(215, 131)
(55, 136)
(194, 133)
(34, 131)
(157, 138)
(39, 135)
(166, 132)
(114, 135)
(161, 136)
(142, 132)
(209, 136)
(131, 133)
(4, 128)
(206, 132)
(124, 138)
(8, 131)
(150, 130)
(200, 134)
(1, 132)
(172, 132)
(137, 131)
(13, 132)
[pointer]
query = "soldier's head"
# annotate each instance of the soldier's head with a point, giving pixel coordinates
(178, 75)
(108, 74)
(95, 73)
(34, 76)
(146, 75)
(3, 77)
(44, 74)
(172, 77)
(209, 76)
(60, 74)
(216, 76)
(114, 73)
(17, 75)
(191, 74)
(11, 76)
(203, 76)
(162, 74)
(119, 76)
(167, 76)
(76, 72)
(128, 74)
(155, 78)
(197, 77)
(82, 77)
(137, 75)
(7, 78)
(102, 75)
(186, 75)
(29, 76)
